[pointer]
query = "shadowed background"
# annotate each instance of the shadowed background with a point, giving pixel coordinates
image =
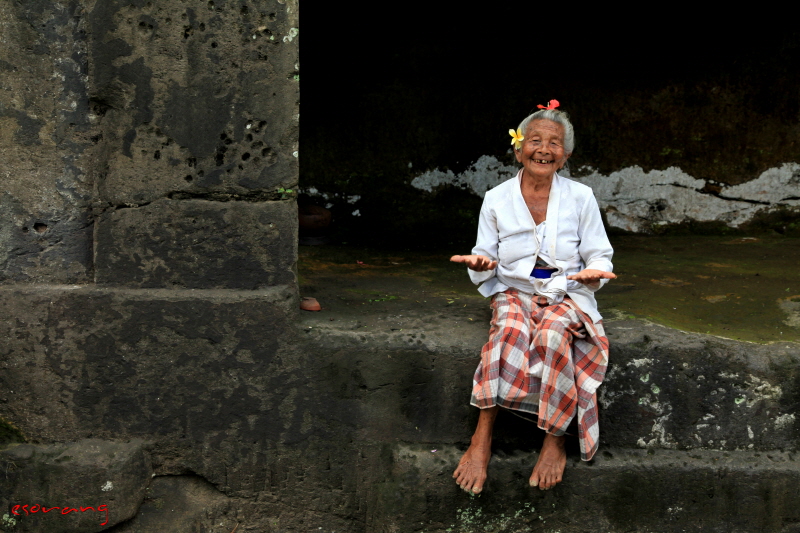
(425, 87)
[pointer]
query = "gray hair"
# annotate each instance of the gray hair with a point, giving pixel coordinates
(559, 117)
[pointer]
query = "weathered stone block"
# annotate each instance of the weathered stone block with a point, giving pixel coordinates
(664, 388)
(45, 144)
(198, 244)
(44, 246)
(203, 374)
(86, 486)
(671, 389)
(195, 98)
(215, 379)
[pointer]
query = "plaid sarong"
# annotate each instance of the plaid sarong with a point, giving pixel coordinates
(573, 352)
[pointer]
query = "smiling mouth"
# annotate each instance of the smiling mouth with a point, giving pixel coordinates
(542, 161)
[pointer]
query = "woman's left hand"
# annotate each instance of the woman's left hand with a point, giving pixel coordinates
(591, 276)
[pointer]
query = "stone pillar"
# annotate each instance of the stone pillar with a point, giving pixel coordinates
(148, 157)
(197, 108)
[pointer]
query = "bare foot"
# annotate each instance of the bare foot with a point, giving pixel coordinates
(471, 472)
(552, 460)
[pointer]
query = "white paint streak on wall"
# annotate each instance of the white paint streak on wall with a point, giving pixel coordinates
(634, 200)
(776, 185)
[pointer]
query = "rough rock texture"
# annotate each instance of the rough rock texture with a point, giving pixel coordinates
(117, 103)
(194, 97)
(147, 263)
(198, 244)
(84, 476)
(619, 491)
(213, 378)
(664, 388)
(309, 425)
(45, 143)
(676, 390)
(182, 504)
(108, 363)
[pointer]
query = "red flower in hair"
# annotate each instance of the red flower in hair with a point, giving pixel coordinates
(552, 104)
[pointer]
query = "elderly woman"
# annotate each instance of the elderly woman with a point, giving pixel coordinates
(541, 253)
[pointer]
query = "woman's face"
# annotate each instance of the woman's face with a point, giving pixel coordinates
(542, 152)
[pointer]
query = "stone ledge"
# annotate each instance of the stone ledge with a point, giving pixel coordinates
(277, 293)
(664, 388)
(619, 491)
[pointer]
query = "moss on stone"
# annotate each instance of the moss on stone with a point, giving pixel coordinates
(9, 433)
(693, 227)
(783, 220)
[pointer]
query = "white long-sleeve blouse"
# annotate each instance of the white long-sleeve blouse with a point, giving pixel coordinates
(574, 239)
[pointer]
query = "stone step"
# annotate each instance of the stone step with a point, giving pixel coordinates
(224, 384)
(664, 388)
(620, 490)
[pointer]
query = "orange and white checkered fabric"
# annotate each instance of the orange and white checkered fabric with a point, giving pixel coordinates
(573, 353)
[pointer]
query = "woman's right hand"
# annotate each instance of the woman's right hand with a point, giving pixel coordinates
(478, 263)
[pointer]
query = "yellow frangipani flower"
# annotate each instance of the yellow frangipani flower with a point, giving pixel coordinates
(516, 138)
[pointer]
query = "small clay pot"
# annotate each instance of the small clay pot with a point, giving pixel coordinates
(310, 304)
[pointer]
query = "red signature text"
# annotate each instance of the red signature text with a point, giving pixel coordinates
(36, 508)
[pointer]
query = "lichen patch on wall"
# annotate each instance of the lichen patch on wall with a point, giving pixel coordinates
(635, 200)
(486, 173)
